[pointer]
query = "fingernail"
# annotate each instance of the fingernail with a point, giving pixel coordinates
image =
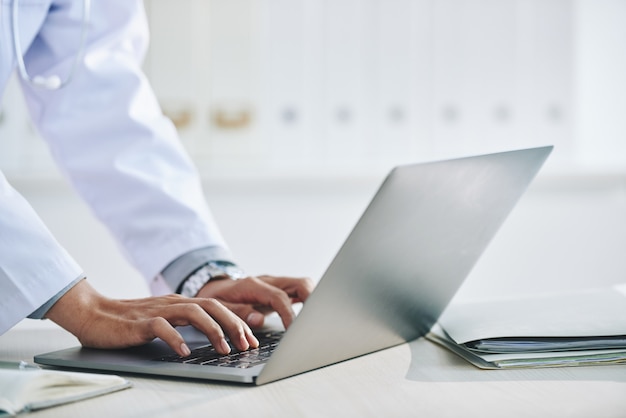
(243, 342)
(254, 343)
(186, 351)
(248, 340)
(225, 346)
(255, 319)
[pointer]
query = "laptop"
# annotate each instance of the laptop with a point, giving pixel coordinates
(404, 260)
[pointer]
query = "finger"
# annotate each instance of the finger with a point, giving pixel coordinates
(272, 296)
(160, 328)
(239, 332)
(210, 317)
(298, 289)
(256, 292)
(207, 319)
(252, 317)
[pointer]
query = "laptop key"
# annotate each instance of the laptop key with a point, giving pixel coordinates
(207, 356)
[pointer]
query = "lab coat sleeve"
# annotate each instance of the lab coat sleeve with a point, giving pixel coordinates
(34, 267)
(108, 134)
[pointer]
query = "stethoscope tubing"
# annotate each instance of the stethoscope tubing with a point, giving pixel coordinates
(53, 82)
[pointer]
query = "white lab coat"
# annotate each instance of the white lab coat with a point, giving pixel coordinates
(109, 137)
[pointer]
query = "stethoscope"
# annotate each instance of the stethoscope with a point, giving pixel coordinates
(53, 82)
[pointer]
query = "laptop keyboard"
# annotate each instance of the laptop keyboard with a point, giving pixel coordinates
(207, 356)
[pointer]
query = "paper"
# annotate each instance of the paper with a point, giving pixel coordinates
(23, 390)
(585, 313)
(569, 328)
(528, 359)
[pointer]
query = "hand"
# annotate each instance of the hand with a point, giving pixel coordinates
(253, 297)
(101, 322)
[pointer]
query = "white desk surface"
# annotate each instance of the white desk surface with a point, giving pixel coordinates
(415, 379)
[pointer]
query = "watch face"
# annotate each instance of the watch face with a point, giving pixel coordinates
(235, 272)
(227, 269)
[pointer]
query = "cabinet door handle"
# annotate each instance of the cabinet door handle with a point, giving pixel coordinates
(231, 119)
(181, 118)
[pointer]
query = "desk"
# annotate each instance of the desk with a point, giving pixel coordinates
(414, 379)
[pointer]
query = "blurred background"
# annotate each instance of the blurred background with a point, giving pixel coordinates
(295, 109)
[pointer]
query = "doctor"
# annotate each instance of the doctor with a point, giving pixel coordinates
(79, 66)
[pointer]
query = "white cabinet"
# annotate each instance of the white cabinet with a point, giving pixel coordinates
(175, 63)
(22, 152)
(311, 86)
(601, 83)
(327, 85)
(546, 72)
(291, 66)
(503, 75)
(474, 76)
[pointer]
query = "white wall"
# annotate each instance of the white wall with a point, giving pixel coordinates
(561, 233)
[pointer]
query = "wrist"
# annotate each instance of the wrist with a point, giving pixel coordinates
(76, 308)
(213, 270)
(187, 263)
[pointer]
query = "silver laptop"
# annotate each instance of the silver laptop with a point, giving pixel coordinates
(404, 260)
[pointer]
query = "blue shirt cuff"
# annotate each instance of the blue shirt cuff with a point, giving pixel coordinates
(181, 268)
(41, 312)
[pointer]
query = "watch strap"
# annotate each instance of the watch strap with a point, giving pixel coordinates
(213, 270)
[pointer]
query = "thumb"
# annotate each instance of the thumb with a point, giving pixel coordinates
(251, 316)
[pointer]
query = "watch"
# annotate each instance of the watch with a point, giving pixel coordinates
(209, 271)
